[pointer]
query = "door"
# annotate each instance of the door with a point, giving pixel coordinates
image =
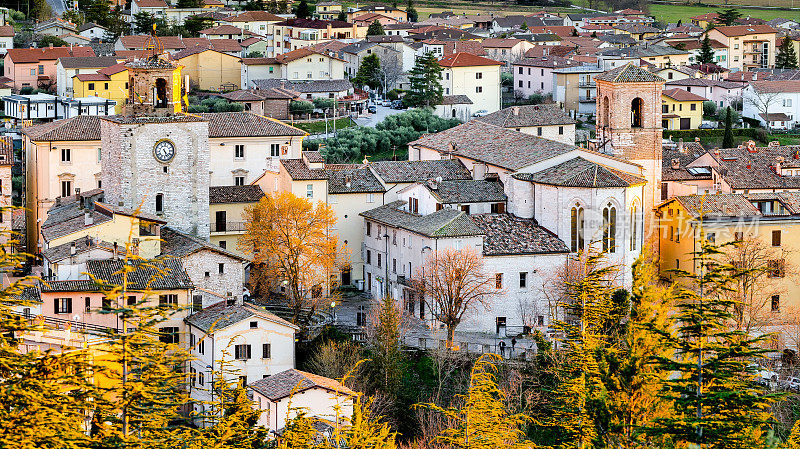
(686, 123)
(346, 276)
(221, 219)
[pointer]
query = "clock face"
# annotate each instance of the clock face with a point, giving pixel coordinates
(164, 151)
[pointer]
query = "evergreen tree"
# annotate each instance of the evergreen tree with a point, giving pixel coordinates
(727, 139)
(413, 16)
(303, 11)
(254, 5)
(524, 26)
(375, 29)
(728, 16)
(786, 57)
(369, 72)
(716, 403)
(706, 55)
(342, 17)
(424, 78)
(143, 22)
(189, 4)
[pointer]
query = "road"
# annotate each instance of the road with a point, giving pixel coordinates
(381, 113)
(57, 6)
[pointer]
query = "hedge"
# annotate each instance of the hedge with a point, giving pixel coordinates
(690, 134)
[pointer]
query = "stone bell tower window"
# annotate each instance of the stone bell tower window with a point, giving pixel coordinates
(636, 112)
(161, 93)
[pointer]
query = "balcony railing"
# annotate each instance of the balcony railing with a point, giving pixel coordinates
(587, 99)
(229, 226)
(587, 84)
(62, 324)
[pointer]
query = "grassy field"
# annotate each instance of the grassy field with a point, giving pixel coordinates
(319, 127)
(673, 13)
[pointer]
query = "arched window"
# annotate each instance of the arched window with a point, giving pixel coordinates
(636, 112)
(635, 225)
(576, 228)
(609, 228)
(160, 99)
(606, 112)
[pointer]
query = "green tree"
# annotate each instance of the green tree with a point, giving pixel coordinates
(412, 13)
(189, 4)
(369, 72)
(143, 22)
(424, 78)
(375, 29)
(55, 41)
(706, 54)
(301, 107)
(40, 10)
(303, 11)
(729, 16)
(254, 5)
(786, 57)
(716, 404)
(524, 26)
(342, 16)
(727, 138)
(193, 24)
(385, 344)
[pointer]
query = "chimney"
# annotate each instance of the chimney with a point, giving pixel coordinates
(433, 184)
(751, 146)
(676, 164)
(680, 145)
(452, 147)
(88, 220)
(347, 181)
(515, 110)
(778, 162)
(72, 249)
(114, 255)
(755, 76)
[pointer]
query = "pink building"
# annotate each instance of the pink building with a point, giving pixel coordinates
(535, 75)
(722, 93)
(36, 67)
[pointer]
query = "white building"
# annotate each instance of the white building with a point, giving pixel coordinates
(474, 76)
(319, 397)
(239, 342)
(779, 99)
(542, 120)
(51, 107)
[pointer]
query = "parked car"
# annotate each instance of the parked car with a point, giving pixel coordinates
(372, 108)
(397, 104)
(707, 125)
(480, 113)
(791, 383)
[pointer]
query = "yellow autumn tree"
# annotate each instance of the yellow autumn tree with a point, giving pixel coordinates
(483, 420)
(292, 248)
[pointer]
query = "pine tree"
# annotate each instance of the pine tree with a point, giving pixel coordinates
(303, 11)
(728, 16)
(342, 17)
(425, 82)
(727, 138)
(369, 72)
(375, 29)
(716, 403)
(786, 57)
(706, 55)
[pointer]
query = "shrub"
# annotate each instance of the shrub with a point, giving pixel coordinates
(26, 90)
(709, 108)
(227, 106)
(393, 95)
(323, 103)
(197, 108)
(301, 107)
(310, 145)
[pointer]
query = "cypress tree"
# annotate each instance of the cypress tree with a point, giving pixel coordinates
(728, 16)
(727, 139)
(375, 29)
(786, 57)
(425, 79)
(706, 55)
(303, 11)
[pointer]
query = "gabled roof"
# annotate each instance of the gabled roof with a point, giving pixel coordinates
(466, 60)
(339, 85)
(89, 25)
(179, 244)
(281, 385)
(718, 206)
(679, 94)
(78, 128)
(744, 30)
(501, 43)
(87, 62)
(33, 55)
(413, 171)
(445, 222)
(247, 124)
(466, 191)
(6, 31)
(223, 30)
(777, 86)
(234, 194)
(506, 234)
(151, 3)
(629, 73)
(314, 24)
(579, 172)
(158, 274)
(255, 16)
(298, 54)
(139, 41)
(528, 115)
(358, 179)
(220, 316)
(704, 82)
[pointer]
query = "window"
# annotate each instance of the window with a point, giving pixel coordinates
(99, 155)
(560, 130)
(66, 188)
(498, 280)
(105, 86)
(369, 228)
(242, 352)
(159, 203)
(223, 244)
(776, 303)
(91, 86)
(520, 83)
(310, 191)
(523, 279)
(576, 229)
(478, 89)
(66, 155)
(197, 303)
(221, 268)
(634, 226)
(238, 180)
(168, 300)
(88, 305)
(63, 305)
(609, 228)
(776, 238)
(693, 107)
(380, 258)
(369, 257)
(497, 208)
(169, 335)
(275, 149)
(201, 347)
(539, 131)
(479, 76)
(787, 102)
(413, 204)
(33, 72)
(238, 151)
(253, 324)
(131, 300)
(266, 349)
(777, 268)
(636, 112)
(370, 197)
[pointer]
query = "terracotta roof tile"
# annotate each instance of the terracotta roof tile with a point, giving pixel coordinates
(413, 171)
(743, 30)
(507, 235)
(529, 115)
(247, 124)
(281, 385)
(579, 172)
(466, 60)
(234, 194)
(678, 94)
(629, 73)
(81, 127)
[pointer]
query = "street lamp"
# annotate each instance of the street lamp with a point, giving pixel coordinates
(333, 311)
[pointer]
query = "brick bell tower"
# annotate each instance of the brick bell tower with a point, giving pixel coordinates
(629, 126)
(155, 86)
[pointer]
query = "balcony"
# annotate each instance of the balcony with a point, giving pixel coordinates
(228, 227)
(583, 83)
(583, 99)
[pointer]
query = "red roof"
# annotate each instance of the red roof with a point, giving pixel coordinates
(466, 60)
(114, 69)
(151, 3)
(297, 54)
(560, 31)
(137, 42)
(744, 30)
(224, 29)
(256, 16)
(92, 77)
(6, 31)
(32, 55)
(682, 95)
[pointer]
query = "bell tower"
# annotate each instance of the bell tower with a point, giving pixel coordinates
(629, 125)
(154, 83)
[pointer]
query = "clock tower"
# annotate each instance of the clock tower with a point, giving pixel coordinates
(155, 158)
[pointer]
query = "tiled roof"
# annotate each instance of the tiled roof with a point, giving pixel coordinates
(413, 171)
(27, 294)
(151, 3)
(470, 47)
(259, 61)
(466, 191)
(777, 86)
(353, 180)
(113, 69)
(445, 222)
(141, 119)
(692, 151)
(86, 62)
(636, 28)
(629, 73)
(223, 30)
(579, 172)
(314, 24)
(789, 200)
(679, 94)
(80, 128)
(220, 316)
(500, 43)
(158, 274)
(139, 41)
(178, 244)
(695, 44)
(243, 95)
(641, 51)
(313, 156)
(466, 60)
(81, 285)
(507, 234)
(299, 54)
(81, 245)
(775, 117)
(718, 206)
(703, 82)
(743, 169)
(256, 16)
(234, 194)
(247, 124)
(455, 99)
(31, 55)
(6, 31)
(299, 171)
(492, 144)
(743, 30)
(547, 62)
(6, 151)
(281, 385)
(304, 87)
(528, 115)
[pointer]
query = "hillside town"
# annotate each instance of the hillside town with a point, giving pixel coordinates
(551, 227)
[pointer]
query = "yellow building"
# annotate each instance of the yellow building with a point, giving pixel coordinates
(226, 208)
(767, 224)
(110, 82)
(209, 69)
(328, 10)
(749, 46)
(681, 109)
